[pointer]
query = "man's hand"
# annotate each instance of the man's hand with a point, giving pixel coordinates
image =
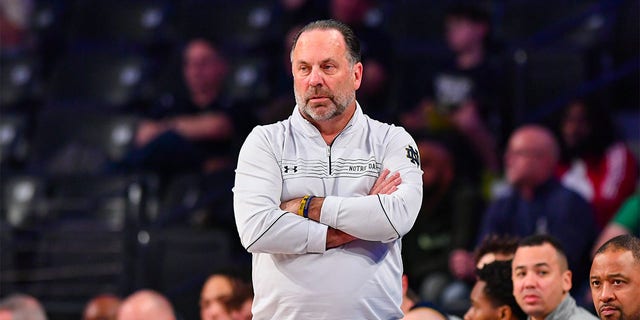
(149, 130)
(336, 238)
(291, 205)
(386, 184)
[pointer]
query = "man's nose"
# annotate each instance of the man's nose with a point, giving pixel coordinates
(529, 280)
(315, 77)
(214, 311)
(606, 294)
(467, 316)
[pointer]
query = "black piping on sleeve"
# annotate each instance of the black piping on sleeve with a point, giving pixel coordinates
(386, 215)
(252, 243)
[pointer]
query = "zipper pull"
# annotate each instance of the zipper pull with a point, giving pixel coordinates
(329, 158)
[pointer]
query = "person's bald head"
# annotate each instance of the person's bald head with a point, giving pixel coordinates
(102, 307)
(21, 306)
(146, 305)
(531, 157)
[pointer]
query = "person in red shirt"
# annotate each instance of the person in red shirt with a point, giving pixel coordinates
(595, 162)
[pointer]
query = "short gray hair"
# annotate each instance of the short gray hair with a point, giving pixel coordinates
(353, 44)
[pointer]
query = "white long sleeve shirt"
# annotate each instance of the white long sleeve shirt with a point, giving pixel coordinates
(294, 275)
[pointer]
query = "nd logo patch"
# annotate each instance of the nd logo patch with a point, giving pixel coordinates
(413, 155)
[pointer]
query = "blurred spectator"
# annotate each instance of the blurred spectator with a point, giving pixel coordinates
(414, 309)
(194, 132)
(14, 23)
(455, 297)
(448, 218)
(225, 296)
(21, 306)
(595, 163)
(146, 305)
(537, 202)
(492, 295)
(626, 221)
(466, 94)
(494, 248)
(102, 307)
(365, 18)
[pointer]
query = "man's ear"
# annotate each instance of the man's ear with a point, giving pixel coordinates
(357, 75)
(566, 281)
(405, 284)
(504, 312)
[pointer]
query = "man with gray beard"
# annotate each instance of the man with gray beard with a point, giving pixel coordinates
(323, 198)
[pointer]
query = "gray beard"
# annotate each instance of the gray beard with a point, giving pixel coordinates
(338, 107)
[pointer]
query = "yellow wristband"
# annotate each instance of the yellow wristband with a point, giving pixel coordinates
(302, 204)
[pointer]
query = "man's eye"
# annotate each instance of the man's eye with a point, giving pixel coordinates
(595, 283)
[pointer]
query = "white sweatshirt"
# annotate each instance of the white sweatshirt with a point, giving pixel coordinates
(294, 276)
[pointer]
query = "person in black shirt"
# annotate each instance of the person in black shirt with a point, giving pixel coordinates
(465, 93)
(194, 132)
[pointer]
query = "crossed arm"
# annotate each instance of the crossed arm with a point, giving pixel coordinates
(385, 184)
(265, 227)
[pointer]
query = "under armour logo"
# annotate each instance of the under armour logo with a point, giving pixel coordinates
(294, 169)
(413, 155)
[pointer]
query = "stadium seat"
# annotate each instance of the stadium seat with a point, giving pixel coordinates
(241, 25)
(551, 73)
(24, 201)
(197, 200)
(176, 261)
(134, 23)
(522, 19)
(83, 248)
(412, 21)
(247, 81)
(20, 82)
(14, 141)
(103, 79)
(72, 141)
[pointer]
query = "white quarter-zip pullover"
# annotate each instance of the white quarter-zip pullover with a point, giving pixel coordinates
(294, 276)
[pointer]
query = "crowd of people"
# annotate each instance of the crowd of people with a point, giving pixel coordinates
(514, 280)
(413, 206)
(224, 296)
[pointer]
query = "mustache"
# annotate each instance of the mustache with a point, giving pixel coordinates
(607, 305)
(317, 92)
